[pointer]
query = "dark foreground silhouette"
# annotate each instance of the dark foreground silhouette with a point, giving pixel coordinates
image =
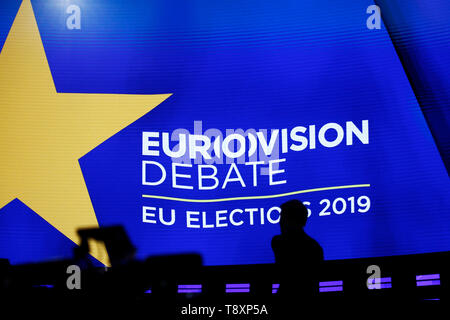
(298, 257)
(150, 286)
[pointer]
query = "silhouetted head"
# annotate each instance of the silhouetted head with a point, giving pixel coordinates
(293, 216)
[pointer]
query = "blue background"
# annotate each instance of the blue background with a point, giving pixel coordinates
(250, 64)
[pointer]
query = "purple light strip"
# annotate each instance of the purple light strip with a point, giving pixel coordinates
(237, 285)
(189, 290)
(331, 283)
(331, 289)
(189, 286)
(429, 283)
(379, 280)
(428, 276)
(148, 291)
(236, 290)
(380, 286)
(275, 287)
(43, 286)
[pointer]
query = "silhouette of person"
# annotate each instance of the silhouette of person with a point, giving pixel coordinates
(298, 257)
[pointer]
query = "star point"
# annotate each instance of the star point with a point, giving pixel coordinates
(44, 133)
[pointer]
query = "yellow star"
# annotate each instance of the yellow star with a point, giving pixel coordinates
(43, 133)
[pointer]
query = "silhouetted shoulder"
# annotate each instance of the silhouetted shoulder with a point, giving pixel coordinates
(315, 247)
(276, 241)
(277, 248)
